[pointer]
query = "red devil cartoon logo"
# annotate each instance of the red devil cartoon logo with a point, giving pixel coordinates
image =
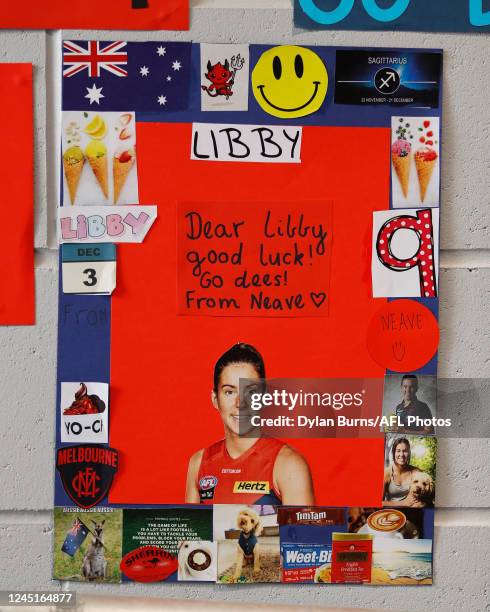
(222, 77)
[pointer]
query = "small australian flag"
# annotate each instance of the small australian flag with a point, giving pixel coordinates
(75, 537)
(126, 76)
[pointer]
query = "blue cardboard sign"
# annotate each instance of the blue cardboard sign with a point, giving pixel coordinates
(408, 15)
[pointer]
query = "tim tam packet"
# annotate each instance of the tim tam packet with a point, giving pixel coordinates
(306, 541)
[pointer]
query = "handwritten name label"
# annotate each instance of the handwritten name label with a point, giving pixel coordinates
(246, 143)
(105, 223)
(402, 335)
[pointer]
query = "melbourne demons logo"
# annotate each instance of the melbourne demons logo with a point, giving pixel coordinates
(87, 472)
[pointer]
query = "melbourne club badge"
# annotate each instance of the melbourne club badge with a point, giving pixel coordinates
(87, 472)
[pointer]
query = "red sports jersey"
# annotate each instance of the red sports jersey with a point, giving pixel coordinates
(246, 479)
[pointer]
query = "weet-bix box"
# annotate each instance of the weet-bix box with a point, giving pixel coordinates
(300, 562)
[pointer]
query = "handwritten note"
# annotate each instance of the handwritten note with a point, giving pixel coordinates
(254, 259)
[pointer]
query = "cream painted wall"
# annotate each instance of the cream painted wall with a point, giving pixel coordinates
(28, 355)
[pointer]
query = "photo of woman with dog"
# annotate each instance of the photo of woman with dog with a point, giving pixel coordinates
(409, 471)
(239, 469)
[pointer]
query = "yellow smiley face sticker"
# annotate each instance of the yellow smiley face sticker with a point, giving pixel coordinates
(289, 82)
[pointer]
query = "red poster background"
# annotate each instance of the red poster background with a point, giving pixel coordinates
(16, 184)
(94, 14)
(162, 363)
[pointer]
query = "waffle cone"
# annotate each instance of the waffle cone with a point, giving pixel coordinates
(402, 168)
(120, 173)
(424, 172)
(99, 167)
(73, 172)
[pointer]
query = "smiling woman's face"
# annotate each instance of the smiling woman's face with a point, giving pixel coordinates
(226, 399)
(289, 82)
(402, 452)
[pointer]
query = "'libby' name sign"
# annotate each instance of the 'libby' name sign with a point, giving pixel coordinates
(105, 223)
(246, 143)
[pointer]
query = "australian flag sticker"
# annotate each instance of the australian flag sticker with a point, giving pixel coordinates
(120, 75)
(75, 537)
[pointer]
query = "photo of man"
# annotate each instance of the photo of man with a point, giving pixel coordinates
(414, 415)
(240, 469)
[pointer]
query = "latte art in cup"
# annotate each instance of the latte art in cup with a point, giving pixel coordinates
(386, 520)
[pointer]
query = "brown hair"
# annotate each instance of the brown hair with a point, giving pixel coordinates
(239, 353)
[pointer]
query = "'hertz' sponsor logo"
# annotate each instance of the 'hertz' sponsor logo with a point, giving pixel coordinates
(251, 486)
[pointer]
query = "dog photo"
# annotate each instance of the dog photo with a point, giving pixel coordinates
(87, 545)
(410, 471)
(248, 543)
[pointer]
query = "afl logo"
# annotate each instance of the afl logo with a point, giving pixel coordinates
(208, 482)
(207, 485)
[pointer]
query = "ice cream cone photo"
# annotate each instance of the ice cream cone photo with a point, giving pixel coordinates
(96, 153)
(415, 161)
(425, 162)
(401, 157)
(121, 167)
(105, 141)
(73, 162)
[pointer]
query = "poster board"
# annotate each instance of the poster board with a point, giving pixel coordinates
(273, 234)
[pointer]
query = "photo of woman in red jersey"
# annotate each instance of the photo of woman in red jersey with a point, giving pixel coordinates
(241, 469)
